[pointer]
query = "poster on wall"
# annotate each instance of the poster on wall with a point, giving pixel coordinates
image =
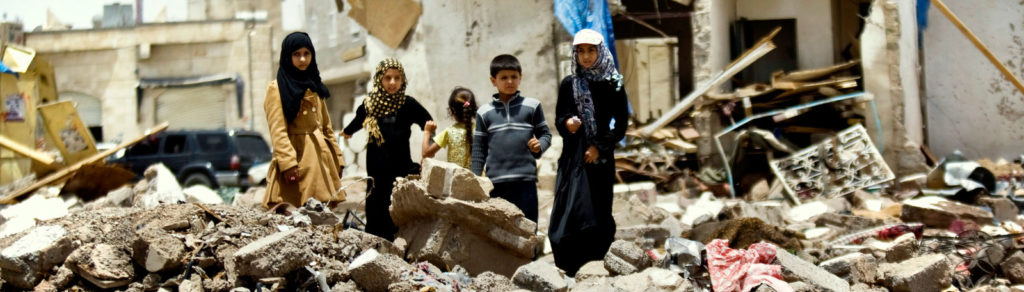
(14, 107)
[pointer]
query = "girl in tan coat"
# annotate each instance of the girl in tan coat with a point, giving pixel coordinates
(307, 161)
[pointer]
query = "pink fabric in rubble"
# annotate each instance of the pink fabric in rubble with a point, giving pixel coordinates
(735, 270)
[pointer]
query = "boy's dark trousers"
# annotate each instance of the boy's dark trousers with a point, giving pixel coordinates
(523, 194)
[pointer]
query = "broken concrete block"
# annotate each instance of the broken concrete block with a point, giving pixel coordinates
(24, 215)
(855, 267)
(625, 258)
(646, 192)
(202, 194)
(446, 179)
(25, 260)
(591, 270)
(194, 284)
(903, 248)
(62, 278)
(489, 281)
(253, 198)
(937, 212)
(365, 241)
(104, 265)
(447, 232)
(157, 251)
(161, 187)
(652, 279)
(374, 271)
(771, 212)
(318, 213)
(806, 211)
(862, 287)
(647, 236)
(924, 273)
(272, 256)
(809, 273)
(1013, 267)
(1002, 208)
(540, 276)
(705, 206)
(632, 212)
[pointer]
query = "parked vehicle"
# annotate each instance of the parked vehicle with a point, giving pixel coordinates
(214, 158)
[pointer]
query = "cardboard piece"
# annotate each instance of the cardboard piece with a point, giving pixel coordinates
(388, 20)
(67, 132)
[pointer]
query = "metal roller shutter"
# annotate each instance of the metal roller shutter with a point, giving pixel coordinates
(194, 107)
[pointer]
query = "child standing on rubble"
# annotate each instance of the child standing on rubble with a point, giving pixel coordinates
(306, 161)
(582, 227)
(457, 138)
(510, 135)
(387, 114)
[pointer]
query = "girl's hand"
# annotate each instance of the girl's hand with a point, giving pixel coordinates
(430, 126)
(291, 175)
(591, 155)
(573, 124)
(347, 136)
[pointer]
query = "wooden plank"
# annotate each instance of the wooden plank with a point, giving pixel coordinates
(66, 172)
(761, 48)
(977, 43)
(27, 152)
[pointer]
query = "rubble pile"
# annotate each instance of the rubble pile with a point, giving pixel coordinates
(452, 237)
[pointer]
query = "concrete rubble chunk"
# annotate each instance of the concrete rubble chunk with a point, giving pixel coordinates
(646, 192)
(903, 248)
(647, 236)
(489, 281)
(770, 212)
(24, 215)
(1002, 208)
(374, 271)
(104, 265)
(252, 198)
(447, 232)
(705, 206)
(318, 213)
(25, 260)
(625, 258)
(924, 273)
(540, 276)
(62, 277)
(652, 279)
(202, 194)
(854, 267)
(1013, 267)
(809, 273)
(685, 253)
(937, 212)
(446, 179)
(591, 270)
(271, 256)
(806, 211)
(157, 251)
(161, 187)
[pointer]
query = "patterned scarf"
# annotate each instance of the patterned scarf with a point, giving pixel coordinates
(603, 70)
(379, 102)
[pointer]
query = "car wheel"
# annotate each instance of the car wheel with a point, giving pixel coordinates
(198, 179)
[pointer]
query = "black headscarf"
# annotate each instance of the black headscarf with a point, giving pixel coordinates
(292, 82)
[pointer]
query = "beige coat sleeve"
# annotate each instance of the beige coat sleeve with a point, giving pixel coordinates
(284, 152)
(328, 130)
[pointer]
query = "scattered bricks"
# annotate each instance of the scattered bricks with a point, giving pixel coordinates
(647, 236)
(1002, 208)
(591, 270)
(157, 251)
(271, 256)
(855, 267)
(540, 276)
(625, 258)
(468, 187)
(374, 271)
(25, 260)
(104, 265)
(925, 273)
(1013, 267)
(809, 273)
(903, 248)
(938, 212)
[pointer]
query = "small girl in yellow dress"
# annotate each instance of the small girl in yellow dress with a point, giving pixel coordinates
(458, 138)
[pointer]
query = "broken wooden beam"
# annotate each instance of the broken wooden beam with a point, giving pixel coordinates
(761, 48)
(23, 150)
(66, 172)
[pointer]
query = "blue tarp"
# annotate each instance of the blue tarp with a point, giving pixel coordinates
(5, 69)
(593, 14)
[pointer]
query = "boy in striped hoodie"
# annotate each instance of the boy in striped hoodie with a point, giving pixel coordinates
(510, 135)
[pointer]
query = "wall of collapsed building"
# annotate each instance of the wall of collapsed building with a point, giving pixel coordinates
(969, 105)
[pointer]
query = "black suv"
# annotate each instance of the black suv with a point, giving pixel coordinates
(214, 158)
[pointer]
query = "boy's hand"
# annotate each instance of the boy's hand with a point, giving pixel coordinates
(534, 145)
(430, 126)
(573, 124)
(591, 155)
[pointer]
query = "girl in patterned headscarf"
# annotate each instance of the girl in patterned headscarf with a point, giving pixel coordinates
(387, 115)
(582, 227)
